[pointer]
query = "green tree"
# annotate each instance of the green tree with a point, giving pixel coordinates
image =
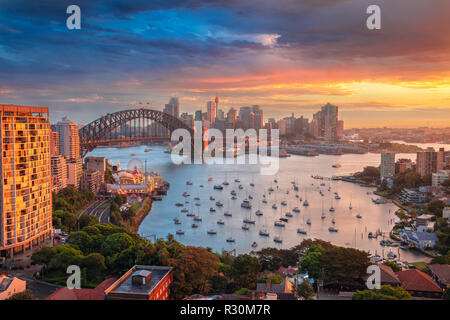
(116, 243)
(94, 264)
(244, 269)
(386, 292)
(311, 261)
(87, 220)
(43, 256)
(436, 207)
(395, 267)
(81, 240)
(305, 290)
(66, 255)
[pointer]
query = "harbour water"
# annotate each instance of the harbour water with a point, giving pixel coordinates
(352, 232)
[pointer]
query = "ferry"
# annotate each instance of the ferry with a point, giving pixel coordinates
(219, 203)
(332, 229)
(264, 233)
(301, 231)
(296, 210)
(277, 240)
(246, 204)
(230, 240)
(279, 224)
(212, 231)
(181, 232)
(220, 221)
(218, 187)
(258, 213)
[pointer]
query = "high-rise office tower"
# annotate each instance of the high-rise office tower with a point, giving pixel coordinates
(25, 184)
(216, 102)
(173, 107)
(54, 143)
(211, 111)
(258, 122)
(69, 140)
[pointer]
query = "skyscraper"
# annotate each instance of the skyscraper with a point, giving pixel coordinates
(25, 184)
(387, 168)
(69, 140)
(258, 120)
(430, 161)
(329, 117)
(211, 111)
(173, 107)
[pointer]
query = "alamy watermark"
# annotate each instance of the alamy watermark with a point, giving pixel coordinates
(211, 147)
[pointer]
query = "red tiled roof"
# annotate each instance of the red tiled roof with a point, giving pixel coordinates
(442, 271)
(82, 294)
(387, 274)
(416, 280)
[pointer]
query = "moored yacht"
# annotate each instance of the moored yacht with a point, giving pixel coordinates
(219, 203)
(246, 204)
(220, 221)
(279, 224)
(264, 233)
(218, 187)
(227, 214)
(296, 210)
(212, 231)
(332, 229)
(180, 232)
(301, 231)
(230, 240)
(277, 240)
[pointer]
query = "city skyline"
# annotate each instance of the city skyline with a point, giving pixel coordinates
(147, 53)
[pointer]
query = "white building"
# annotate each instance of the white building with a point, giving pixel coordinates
(69, 140)
(11, 286)
(439, 177)
(387, 169)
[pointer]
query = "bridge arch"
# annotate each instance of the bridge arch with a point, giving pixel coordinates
(96, 133)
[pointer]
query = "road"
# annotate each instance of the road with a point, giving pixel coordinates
(100, 209)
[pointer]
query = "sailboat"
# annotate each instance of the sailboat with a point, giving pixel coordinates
(263, 232)
(323, 213)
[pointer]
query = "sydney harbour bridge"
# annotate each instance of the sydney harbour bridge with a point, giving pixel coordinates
(131, 125)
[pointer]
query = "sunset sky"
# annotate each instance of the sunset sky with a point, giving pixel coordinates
(285, 55)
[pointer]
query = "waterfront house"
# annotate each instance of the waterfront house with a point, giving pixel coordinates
(419, 284)
(413, 196)
(441, 274)
(424, 222)
(419, 239)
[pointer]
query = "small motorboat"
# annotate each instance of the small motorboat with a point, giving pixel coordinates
(176, 221)
(258, 213)
(333, 221)
(184, 210)
(332, 209)
(270, 189)
(370, 235)
(179, 204)
(284, 219)
(233, 193)
(274, 206)
(250, 197)
(252, 184)
(296, 210)
(288, 214)
(244, 227)
(194, 225)
(233, 198)
(197, 218)
(332, 229)
(359, 216)
(308, 222)
(254, 244)
(190, 214)
(337, 197)
(212, 198)
(227, 214)
(212, 209)
(248, 221)
(180, 232)
(246, 204)
(186, 194)
(264, 233)
(277, 240)
(198, 204)
(148, 149)
(279, 224)
(284, 203)
(196, 198)
(189, 183)
(210, 179)
(391, 255)
(219, 203)
(264, 201)
(305, 203)
(301, 231)
(225, 183)
(237, 180)
(218, 187)
(221, 222)
(230, 240)
(212, 231)
(240, 187)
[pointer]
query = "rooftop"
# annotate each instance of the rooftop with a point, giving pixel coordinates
(125, 283)
(82, 294)
(442, 271)
(421, 236)
(416, 280)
